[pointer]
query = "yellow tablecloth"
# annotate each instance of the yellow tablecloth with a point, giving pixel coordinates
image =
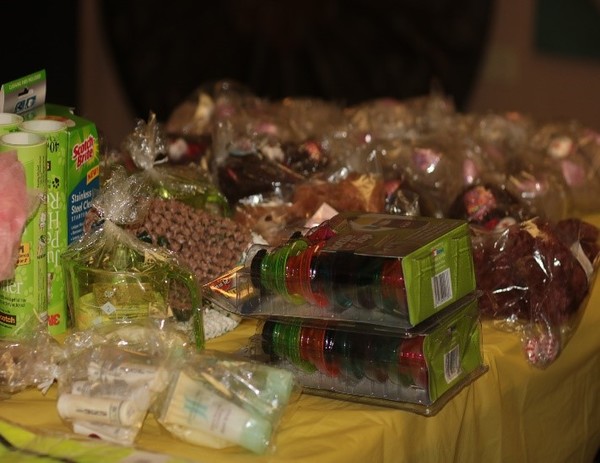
(513, 413)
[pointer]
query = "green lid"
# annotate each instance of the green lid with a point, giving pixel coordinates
(279, 385)
(256, 435)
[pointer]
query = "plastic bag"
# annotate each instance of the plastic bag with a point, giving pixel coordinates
(29, 362)
(111, 275)
(265, 147)
(572, 153)
(275, 219)
(535, 276)
(218, 400)
(113, 374)
(147, 146)
(205, 242)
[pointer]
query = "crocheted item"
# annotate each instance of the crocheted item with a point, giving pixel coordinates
(208, 243)
(217, 323)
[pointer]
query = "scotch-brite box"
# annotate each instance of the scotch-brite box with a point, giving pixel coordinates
(73, 180)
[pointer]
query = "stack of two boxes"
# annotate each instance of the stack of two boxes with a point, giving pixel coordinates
(366, 307)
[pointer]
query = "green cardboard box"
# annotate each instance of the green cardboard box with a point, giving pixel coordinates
(379, 269)
(73, 180)
(418, 371)
(436, 255)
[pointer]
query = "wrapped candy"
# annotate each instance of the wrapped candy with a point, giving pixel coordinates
(389, 119)
(207, 243)
(501, 137)
(431, 169)
(353, 192)
(275, 219)
(489, 206)
(187, 215)
(264, 148)
(572, 153)
(266, 216)
(250, 173)
(534, 277)
(541, 192)
(193, 117)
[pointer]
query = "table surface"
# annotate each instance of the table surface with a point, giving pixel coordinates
(514, 412)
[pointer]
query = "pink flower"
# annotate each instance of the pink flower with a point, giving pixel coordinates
(13, 211)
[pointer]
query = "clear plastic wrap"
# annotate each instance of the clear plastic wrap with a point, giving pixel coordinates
(392, 119)
(351, 191)
(194, 117)
(113, 374)
(265, 147)
(147, 146)
(416, 370)
(111, 275)
(273, 217)
(432, 168)
(572, 153)
(535, 276)
(489, 205)
(29, 362)
(219, 400)
(185, 214)
(207, 243)
(268, 217)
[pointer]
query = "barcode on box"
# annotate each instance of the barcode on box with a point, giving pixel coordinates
(452, 364)
(442, 287)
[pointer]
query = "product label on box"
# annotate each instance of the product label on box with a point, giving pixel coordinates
(23, 94)
(437, 264)
(73, 180)
(453, 349)
(80, 201)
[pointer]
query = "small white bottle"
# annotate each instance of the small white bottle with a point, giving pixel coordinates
(140, 395)
(194, 406)
(72, 407)
(154, 377)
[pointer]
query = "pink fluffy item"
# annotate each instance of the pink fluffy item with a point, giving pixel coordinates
(13, 211)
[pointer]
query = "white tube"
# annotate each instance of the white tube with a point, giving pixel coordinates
(115, 412)
(155, 378)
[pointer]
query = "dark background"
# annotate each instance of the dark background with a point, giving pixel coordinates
(45, 39)
(344, 50)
